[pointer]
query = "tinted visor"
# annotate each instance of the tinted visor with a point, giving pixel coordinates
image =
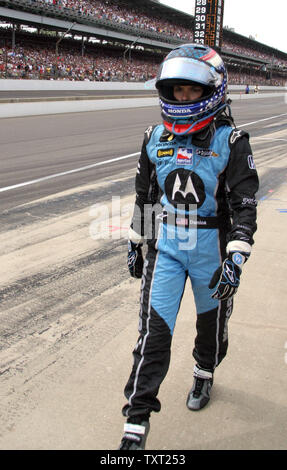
(188, 69)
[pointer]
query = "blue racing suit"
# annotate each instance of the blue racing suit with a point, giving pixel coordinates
(203, 189)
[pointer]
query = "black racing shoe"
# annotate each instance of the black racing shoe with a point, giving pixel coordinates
(135, 436)
(199, 395)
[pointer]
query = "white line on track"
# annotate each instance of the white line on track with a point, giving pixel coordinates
(268, 138)
(261, 120)
(88, 167)
(64, 173)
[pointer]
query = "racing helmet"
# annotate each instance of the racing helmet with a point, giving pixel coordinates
(191, 64)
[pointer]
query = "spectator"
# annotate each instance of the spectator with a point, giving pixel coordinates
(36, 58)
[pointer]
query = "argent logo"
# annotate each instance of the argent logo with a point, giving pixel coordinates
(234, 136)
(148, 131)
(183, 186)
(230, 274)
(189, 188)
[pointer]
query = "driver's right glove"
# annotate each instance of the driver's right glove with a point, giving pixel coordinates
(135, 259)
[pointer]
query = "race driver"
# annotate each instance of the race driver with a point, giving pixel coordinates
(196, 208)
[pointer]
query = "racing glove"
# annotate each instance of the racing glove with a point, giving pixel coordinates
(228, 275)
(135, 259)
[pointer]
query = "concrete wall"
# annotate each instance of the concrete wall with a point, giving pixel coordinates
(65, 85)
(71, 106)
(57, 107)
(21, 109)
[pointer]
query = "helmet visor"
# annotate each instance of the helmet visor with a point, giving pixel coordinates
(189, 69)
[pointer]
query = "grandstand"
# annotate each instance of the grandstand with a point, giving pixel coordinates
(115, 40)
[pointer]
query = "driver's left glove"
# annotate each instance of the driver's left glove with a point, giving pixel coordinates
(227, 276)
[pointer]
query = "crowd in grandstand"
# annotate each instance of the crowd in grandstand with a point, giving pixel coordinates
(249, 52)
(37, 58)
(138, 17)
(236, 78)
(117, 13)
(39, 61)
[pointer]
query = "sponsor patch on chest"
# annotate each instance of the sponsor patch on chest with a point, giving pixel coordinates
(184, 156)
(206, 153)
(165, 152)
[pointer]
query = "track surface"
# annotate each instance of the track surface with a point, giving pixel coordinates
(65, 294)
(37, 147)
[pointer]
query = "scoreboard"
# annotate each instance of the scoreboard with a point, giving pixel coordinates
(208, 22)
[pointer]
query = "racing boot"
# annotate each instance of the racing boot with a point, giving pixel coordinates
(135, 433)
(199, 395)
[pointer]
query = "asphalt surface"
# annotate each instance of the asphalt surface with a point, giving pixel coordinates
(41, 146)
(69, 310)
